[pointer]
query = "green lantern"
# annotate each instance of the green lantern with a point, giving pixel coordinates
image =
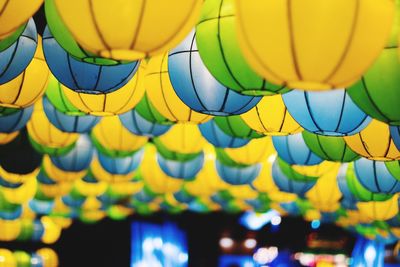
(330, 148)
(236, 127)
(377, 93)
(293, 174)
(147, 110)
(219, 49)
(7, 42)
(22, 258)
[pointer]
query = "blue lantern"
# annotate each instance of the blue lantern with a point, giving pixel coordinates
(81, 76)
(214, 135)
(291, 207)
(7, 184)
(375, 177)
(289, 185)
(184, 197)
(15, 59)
(121, 165)
(44, 178)
(326, 112)
(198, 89)
(138, 125)
(12, 120)
(68, 123)
(349, 200)
(237, 175)
(78, 159)
(41, 206)
(181, 169)
(395, 133)
(38, 231)
(293, 150)
(144, 196)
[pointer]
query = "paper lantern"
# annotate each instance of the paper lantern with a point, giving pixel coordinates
(127, 188)
(181, 169)
(215, 136)
(197, 88)
(21, 194)
(90, 186)
(42, 132)
(8, 259)
(395, 133)
(256, 151)
(114, 103)
(52, 231)
(219, 50)
(78, 159)
(356, 188)
(380, 210)
(374, 142)
(149, 28)
(271, 117)
(156, 180)
(138, 125)
(83, 77)
(312, 46)
(68, 123)
(22, 258)
(15, 58)
(7, 137)
(12, 120)
(294, 150)
(290, 185)
(149, 112)
(100, 174)
(237, 175)
(12, 38)
(161, 94)
(113, 139)
(15, 14)
(29, 86)
(375, 176)
(332, 148)
(59, 175)
(236, 127)
(120, 165)
(300, 172)
(50, 258)
(327, 113)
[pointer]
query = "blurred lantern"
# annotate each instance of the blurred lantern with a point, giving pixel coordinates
(312, 46)
(348, 180)
(219, 50)
(140, 37)
(52, 231)
(288, 185)
(332, 148)
(181, 138)
(83, 77)
(256, 151)
(377, 91)
(58, 175)
(45, 137)
(215, 136)
(375, 176)
(15, 14)
(237, 175)
(181, 169)
(271, 117)
(327, 113)
(90, 186)
(112, 139)
(294, 150)
(374, 142)
(138, 125)
(68, 123)
(18, 160)
(380, 210)
(127, 188)
(162, 95)
(197, 88)
(7, 137)
(121, 165)
(7, 258)
(28, 87)
(49, 257)
(23, 193)
(114, 103)
(236, 127)
(78, 159)
(302, 173)
(100, 174)
(22, 258)
(10, 229)
(12, 119)
(156, 180)
(15, 58)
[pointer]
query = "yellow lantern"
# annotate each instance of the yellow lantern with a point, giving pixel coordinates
(256, 151)
(91, 203)
(92, 216)
(183, 138)
(50, 258)
(21, 194)
(374, 142)
(112, 135)
(9, 230)
(52, 231)
(162, 95)
(89, 188)
(242, 192)
(380, 210)
(29, 86)
(15, 13)
(102, 175)
(271, 117)
(126, 188)
(317, 170)
(157, 181)
(7, 258)
(7, 137)
(129, 30)
(55, 190)
(114, 103)
(313, 45)
(15, 177)
(59, 175)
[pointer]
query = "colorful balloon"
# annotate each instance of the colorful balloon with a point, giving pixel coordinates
(312, 46)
